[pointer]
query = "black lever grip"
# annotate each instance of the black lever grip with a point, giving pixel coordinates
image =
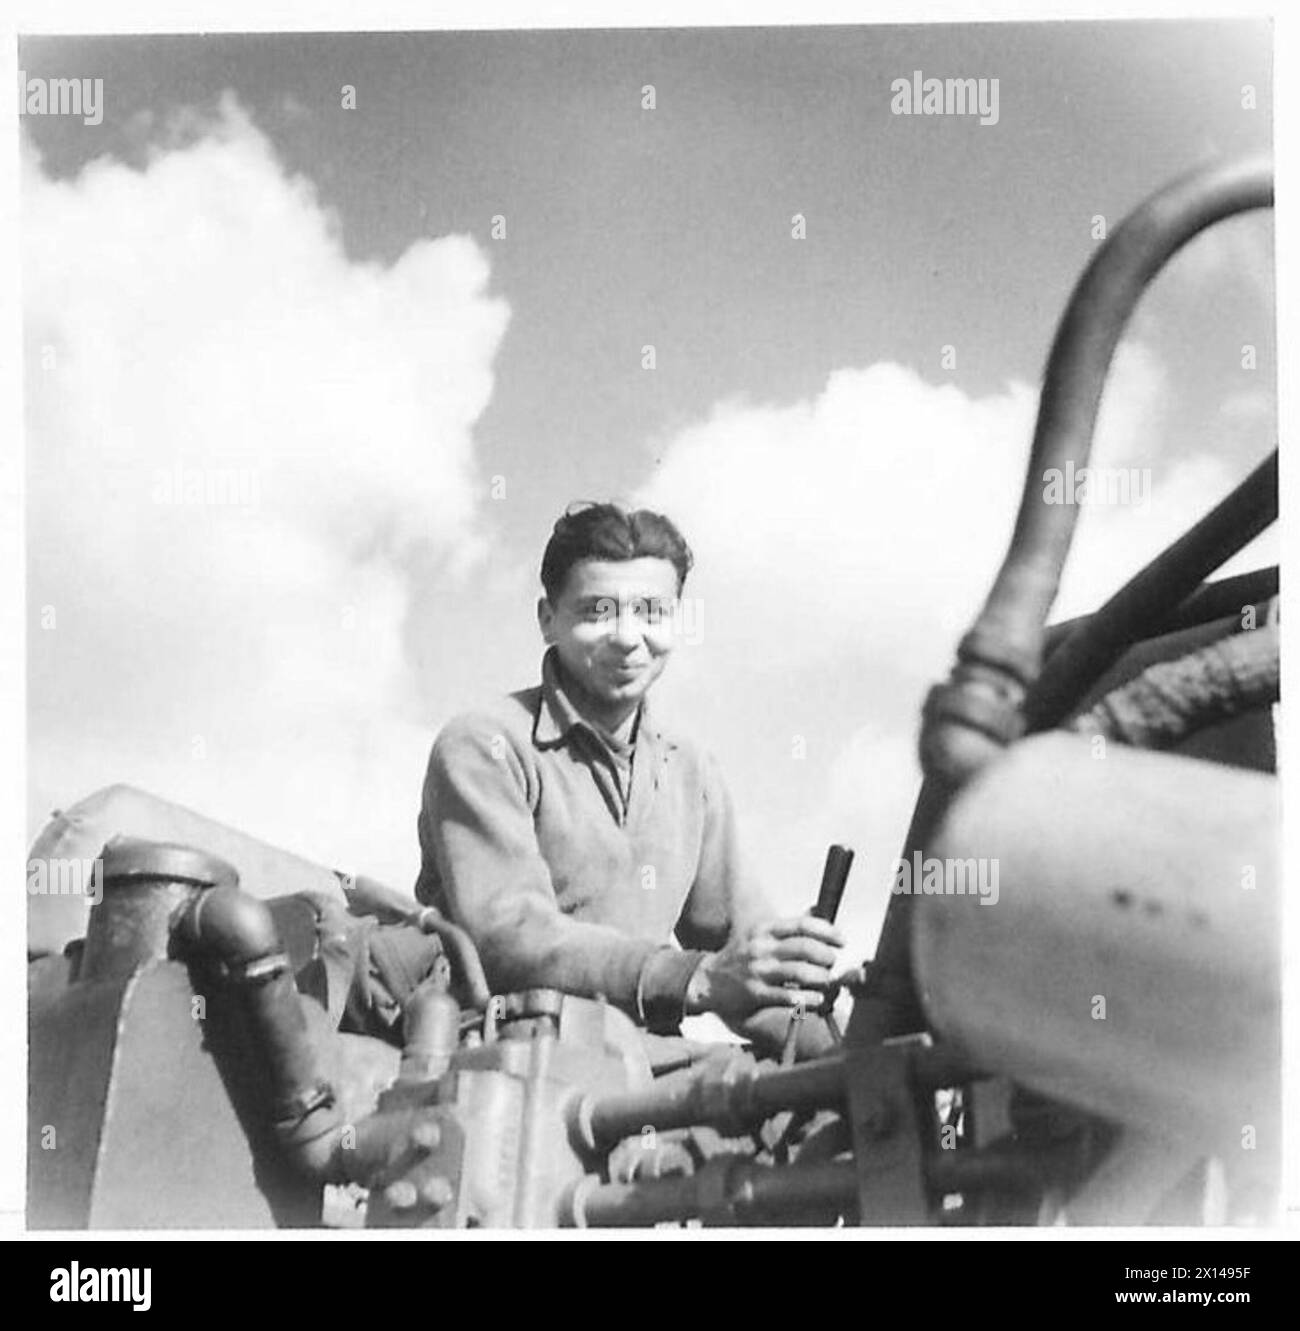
(839, 860)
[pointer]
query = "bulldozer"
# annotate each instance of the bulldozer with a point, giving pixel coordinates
(236, 1037)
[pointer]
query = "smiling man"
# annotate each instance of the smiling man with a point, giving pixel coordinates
(586, 849)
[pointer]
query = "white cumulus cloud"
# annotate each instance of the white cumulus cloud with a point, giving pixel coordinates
(240, 440)
(843, 545)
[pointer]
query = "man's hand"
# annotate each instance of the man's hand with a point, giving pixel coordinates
(787, 964)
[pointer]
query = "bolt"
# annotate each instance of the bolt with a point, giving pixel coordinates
(427, 1135)
(402, 1195)
(436, 1192)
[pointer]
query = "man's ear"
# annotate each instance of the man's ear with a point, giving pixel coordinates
(546, 619)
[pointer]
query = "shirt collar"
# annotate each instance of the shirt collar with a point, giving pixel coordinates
(557, 715)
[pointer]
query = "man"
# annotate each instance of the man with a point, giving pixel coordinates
(573, 837)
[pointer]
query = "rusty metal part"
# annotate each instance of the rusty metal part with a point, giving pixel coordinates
(430, 1032)
(979, 711)
(230, 1059)
(146, 885)
(905, 1163)
(411, 1159)
(892, 1121)
(526, 1015)
(732, 1097)
(1173, 699)
(1133, 943)
(142, 1116)
(725, 1191)
(238, 931)
(1169, 579)
(495, 1125)
(80, 830)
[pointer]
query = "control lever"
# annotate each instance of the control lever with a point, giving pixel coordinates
(835, 874)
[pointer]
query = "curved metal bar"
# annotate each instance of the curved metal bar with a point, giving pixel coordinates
(969, 719)
(1168, 580)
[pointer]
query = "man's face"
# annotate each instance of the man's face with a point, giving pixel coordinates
(612, 627)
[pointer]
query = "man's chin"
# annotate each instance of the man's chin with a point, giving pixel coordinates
(612, 690)
(625, 692)
(632, 691)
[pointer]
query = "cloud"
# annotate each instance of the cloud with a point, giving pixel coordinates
(843, 544)
(1235, 252)
(240, 444)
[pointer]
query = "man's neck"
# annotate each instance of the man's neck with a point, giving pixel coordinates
(625, 731)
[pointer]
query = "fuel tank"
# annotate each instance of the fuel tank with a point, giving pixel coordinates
(1129, 960)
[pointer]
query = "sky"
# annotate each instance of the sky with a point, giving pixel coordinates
(416, 327)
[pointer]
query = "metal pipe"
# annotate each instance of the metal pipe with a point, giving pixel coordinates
(731, 1098)
(979, 710)
(1172, 700)
(1001, 1165)
(937, 1066)
(167, 899)
(145, 886)
(239, 931)
(725, 1192)
(1210, 601)
(430, 1032)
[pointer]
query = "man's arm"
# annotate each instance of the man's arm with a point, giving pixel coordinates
(724, 899)
(476, 827)
(758, 966)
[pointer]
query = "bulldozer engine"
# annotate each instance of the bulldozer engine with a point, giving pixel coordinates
(1072, 1016)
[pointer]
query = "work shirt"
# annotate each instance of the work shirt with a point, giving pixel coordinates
(579, 863)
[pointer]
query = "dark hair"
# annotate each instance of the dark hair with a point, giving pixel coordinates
(606, 531)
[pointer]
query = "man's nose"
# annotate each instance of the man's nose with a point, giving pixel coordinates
(627, 630)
